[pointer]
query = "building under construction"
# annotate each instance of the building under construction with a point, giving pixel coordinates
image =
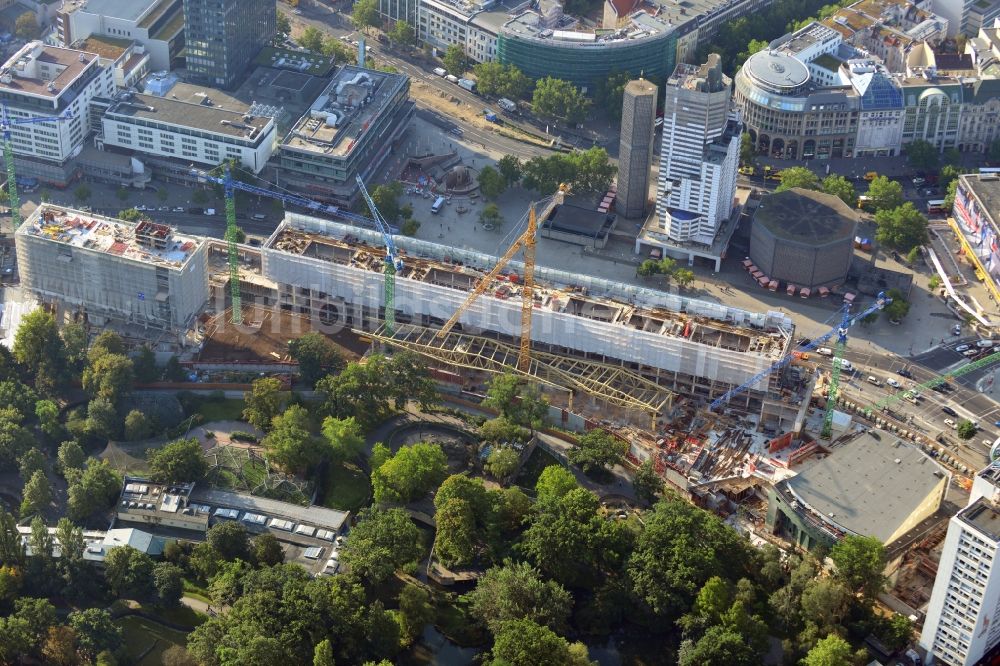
(623, 345)
(140, 274)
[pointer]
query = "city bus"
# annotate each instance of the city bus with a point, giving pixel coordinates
(936, 207)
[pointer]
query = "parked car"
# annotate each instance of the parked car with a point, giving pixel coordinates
(984, 344)
(178, 209)
(956, 329)
(893, 383)
(949, 411)
(903, 372)
(844, 363)
(824, 351)
(962, 348)
(950, 423)
(969, 353)
(802, 342)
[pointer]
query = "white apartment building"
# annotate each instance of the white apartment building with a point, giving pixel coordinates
(961, 624)
(206, 135)
(699, 157)
(158, 25)
(472, 25)
(40, 81)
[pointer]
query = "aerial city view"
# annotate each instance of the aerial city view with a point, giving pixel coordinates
(500, 332)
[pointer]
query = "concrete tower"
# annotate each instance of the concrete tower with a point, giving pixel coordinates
(635, 156)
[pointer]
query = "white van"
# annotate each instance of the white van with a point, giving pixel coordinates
(844, 363)
(440, 71)
(436, 206)
(984, 344)
(824, 351)
(874, 380)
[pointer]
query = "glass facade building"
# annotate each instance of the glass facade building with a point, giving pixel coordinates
(586, 65)
(224, 36)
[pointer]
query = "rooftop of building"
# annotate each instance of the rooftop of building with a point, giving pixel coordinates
(707, 77)
(40, 69)
(350, 246)
(776, 70)
(805, 37)
(143, 242)
(126, 10)
(343, 112)
(898, 20)
(199, 505)
(297, 61)
(204, 117)
(97, 543)
(585, 220)
(108, 48)
(569, 33)
(984, 516)
(806, 216)
(986, 188)
(869, 486)
(639, 87)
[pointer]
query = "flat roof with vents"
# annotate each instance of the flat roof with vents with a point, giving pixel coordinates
(984, 517)
(230, 121)
(869, 486)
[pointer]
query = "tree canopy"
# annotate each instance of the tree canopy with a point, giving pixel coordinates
(885, 194)
(559, 99)
(409, 474)
(382, 541)
(178, 461)
(497, 80)
(902, 228)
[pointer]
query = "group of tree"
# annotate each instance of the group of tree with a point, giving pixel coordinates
(496, 80)
(585, 171)
(667, 270)
(313, 39)
(559, 100)
(805, 178)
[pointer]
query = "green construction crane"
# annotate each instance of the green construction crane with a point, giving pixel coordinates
(931, 383)
(831, 399)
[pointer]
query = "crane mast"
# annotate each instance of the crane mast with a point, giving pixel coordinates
(8, 157)
(230, 185)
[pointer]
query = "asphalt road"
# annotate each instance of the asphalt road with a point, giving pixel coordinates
(928, 416)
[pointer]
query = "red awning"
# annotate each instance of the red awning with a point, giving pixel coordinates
(747, 263)
(805, 292)
(763, 280)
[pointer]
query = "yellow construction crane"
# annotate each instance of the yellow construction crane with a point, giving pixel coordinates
(526, 241)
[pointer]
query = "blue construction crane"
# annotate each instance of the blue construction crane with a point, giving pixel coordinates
(232, 231)
(840, 330)
(8, 155)
(392, 265)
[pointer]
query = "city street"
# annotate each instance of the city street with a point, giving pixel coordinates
(496, 146)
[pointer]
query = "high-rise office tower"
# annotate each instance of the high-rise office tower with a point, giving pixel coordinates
(700, 153)
(963, 616)
(224, 36)
(635, 156)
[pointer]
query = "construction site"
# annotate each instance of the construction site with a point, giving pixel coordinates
(640, 361)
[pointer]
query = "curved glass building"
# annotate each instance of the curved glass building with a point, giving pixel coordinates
(646, 47)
